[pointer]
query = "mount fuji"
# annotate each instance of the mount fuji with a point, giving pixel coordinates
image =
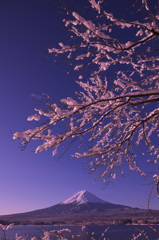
(83, 197)
(82, 208)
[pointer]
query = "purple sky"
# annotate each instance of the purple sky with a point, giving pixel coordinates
(31, 181)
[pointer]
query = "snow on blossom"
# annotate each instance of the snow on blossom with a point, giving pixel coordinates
(95, 5)
(9, 226)
(2, 227)
(88, 24)
(69, 101)
(157, 17)
(139, 33)
(35, 117)
(119, 83)
(83, 228)
(20, 237)
(76, 68)
(18, 135)
(80, 77)
(156, 177)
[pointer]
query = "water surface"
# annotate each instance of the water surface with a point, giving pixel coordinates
(115, 232)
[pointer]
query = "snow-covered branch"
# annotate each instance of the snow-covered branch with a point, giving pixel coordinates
(115, 116)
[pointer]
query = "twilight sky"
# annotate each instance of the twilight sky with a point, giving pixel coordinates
(31, 181)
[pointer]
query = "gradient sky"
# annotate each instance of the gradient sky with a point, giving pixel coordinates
(31, 181)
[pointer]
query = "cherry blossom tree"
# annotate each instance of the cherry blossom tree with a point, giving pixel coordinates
(116, 109)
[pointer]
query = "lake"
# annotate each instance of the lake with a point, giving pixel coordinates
(115, 232)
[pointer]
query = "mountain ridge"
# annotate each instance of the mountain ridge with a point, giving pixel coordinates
(83, 197)
(82, 208)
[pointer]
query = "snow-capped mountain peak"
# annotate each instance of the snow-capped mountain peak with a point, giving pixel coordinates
(83, 197)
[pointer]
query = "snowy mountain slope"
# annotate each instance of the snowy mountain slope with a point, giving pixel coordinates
(83, 206)
(83, 197)
(82, 202)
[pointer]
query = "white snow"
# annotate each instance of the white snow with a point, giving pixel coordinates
(83, 197)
